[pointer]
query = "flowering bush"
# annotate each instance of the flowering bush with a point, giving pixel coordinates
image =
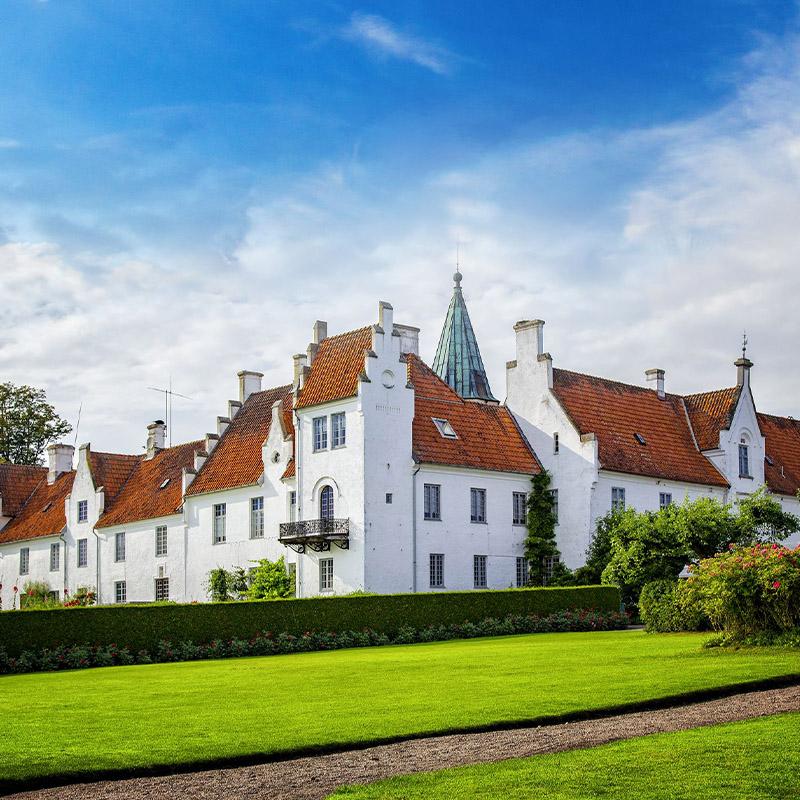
(266, 643)
(82, 597)
(747, 590)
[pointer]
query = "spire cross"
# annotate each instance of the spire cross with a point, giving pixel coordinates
(744, 344)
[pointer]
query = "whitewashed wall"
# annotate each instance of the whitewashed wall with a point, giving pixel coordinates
(38, 568)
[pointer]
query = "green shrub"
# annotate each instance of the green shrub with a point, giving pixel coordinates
(664, 608)
(37, 595)
(143, 627)
(269, 580)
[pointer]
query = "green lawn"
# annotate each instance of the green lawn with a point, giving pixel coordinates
(122, 718)
(740, 761)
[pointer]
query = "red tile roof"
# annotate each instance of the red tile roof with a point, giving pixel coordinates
(616, 412)
(782, 436)
(336, 367)
(17, 482)
(142, 496)
(236, 460)
(710, 413)
(111, 470)
(43, 514)
(488, 436)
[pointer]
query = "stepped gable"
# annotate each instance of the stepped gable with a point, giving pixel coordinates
(616, 412)
(237, 459)
(154, 489)
(487, 434)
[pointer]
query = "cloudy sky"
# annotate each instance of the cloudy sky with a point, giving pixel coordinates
(186, 187)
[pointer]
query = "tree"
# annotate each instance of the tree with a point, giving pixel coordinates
(599, 553)
(540, 543)
(225, 585)
(28, 423)
(269, 580)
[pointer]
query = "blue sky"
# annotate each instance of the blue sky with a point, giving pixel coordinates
(185, 187)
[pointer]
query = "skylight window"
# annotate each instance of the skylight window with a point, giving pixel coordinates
(164, 483)
(445, 428)
(47, 507)
(639, 438)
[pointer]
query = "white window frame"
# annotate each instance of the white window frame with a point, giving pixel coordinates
(327, 508)
(548, 564)
(55, 556)
(338, 430)
(326, 575)
(162, 544)
(523, 571)
(292, 506)
(554, 495)
(432, 505)
(256, 517)
(479, 578)
(159, 587)
(24, 560)
(119, 547)
(436, 570)
(617, 498)
(446, 430)
(519, 503)
(219, 513)
(664, 500)
(120, 591)
(477, 505)
(744, 460)
(320, 434)
(83, 510)
(83, 553)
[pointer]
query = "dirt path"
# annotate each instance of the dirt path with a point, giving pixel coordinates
(314, 778)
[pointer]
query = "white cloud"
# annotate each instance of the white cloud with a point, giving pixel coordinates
(381, 37)
(9, 144)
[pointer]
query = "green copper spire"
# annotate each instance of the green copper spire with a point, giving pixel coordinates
(458, 360)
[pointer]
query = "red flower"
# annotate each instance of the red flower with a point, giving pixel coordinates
(776, 584)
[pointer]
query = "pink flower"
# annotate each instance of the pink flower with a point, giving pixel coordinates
(776, 584)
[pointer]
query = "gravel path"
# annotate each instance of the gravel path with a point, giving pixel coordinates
(313, 778)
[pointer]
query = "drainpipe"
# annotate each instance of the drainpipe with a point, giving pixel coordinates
(97, 557)
(299, 505)
(414, 529)
(64, 556)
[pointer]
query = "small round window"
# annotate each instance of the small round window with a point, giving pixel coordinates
(388, 378)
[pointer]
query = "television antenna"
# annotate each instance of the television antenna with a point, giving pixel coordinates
(168, 395)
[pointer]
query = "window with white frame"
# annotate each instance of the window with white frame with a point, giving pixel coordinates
(338, 430)
(24, 560)
(120, 592)
(320, 433)
(477, 505)
(479, 571)
(554, 495)
(548, 566)
(119, 547)
(53, 595)
(519, 514)
(744, 459)
(83, 552)
(617, 498)
(326, 509)
(432, 497)
(522, 571)
(256, 517)
(326, 574)
(445, 429)
(556, 443)
(292, 506)
(161, 541)
(664, 500)
(55, 556)
(83, 510)
(436, 570)
(220, 511)
(162, 589)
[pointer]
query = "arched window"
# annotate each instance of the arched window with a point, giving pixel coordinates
(744, 458)
(326, 503)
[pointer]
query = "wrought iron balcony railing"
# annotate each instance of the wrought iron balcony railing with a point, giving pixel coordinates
(316, 534)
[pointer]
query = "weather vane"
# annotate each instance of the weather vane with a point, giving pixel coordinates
(744, 344)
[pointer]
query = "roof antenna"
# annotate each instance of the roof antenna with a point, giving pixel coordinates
(168, 395)
(744, 344)
(78, 423)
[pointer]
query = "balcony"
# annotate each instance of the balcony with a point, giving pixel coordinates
(315, 534)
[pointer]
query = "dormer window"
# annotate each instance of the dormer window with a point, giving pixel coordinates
(83, 510)
(639, 438)
(164, 483)
(444, 428)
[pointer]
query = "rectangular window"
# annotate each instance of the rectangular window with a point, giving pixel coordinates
(24, 560)
(617, 498)
(53, 596)
(161, 540)
(522, 571)
(548, 564)
(664, 500)
(518, 502)
(219, 523)
(437, 570)
(479, 571)
(83, 552)
(292, 506)
(389, 498)
(554, 495)
(477, 505)
(432, 501)
(162, 589)
(320, 433)
(326, 575)
(120, 592)
(257, 518)
(744, 461)
(555, 443)
(338, 431)
(83, 510)
(119, 547)
(55, 556)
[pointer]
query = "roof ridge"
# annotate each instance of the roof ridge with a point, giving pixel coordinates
(711, 391)
(612, 380)
(778, 416)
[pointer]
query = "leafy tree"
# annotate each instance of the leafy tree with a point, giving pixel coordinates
(28, 423)
(269, 580)
(540, 543)
(599, 553)
(220, 585)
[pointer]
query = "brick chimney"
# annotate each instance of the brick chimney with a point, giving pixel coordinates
(59, 460)
(156, 437)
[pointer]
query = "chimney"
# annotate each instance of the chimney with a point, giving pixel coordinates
(156, 437)
(656, 375)
(59, 460)
(409, 338)
(300, 360)
(249, 382)
(385, 316)
(319, 332)
(743, 365)
(530, 338)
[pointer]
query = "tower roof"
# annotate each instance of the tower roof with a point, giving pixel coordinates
(458, 360)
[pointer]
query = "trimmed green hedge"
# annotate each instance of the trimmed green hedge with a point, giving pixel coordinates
(143, 627)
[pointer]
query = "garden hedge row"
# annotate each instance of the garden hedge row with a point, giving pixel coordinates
(143, 627)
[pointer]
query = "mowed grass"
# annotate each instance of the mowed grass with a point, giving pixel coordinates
(67, 724)
(739, 761)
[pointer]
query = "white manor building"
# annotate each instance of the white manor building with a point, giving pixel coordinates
(372, 471)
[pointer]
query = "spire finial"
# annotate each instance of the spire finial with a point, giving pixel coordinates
(457, 275)
(744, 344)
